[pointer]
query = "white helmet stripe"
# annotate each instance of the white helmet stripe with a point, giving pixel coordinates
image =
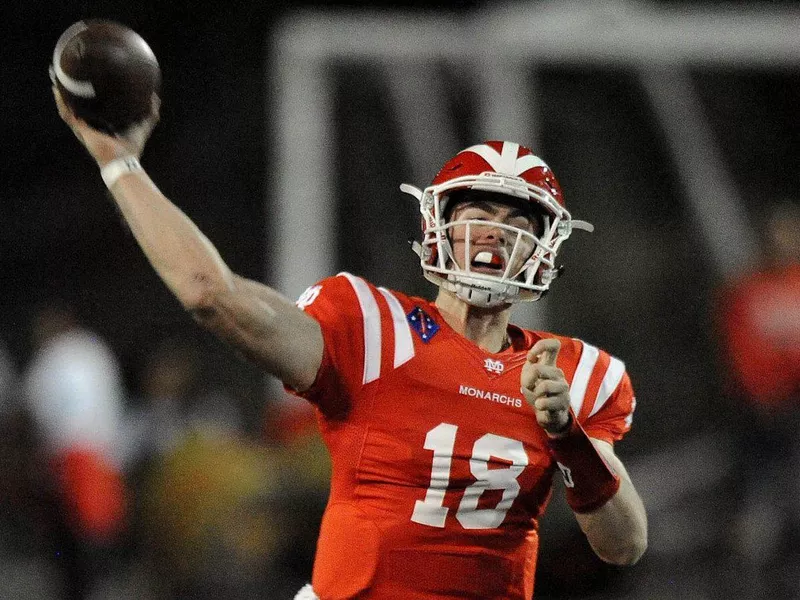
(403, 342)
(372, 327)
(526, 162)
(507, 162)
(580, 381)
(489, 154)
(508, 158)
(616, 369)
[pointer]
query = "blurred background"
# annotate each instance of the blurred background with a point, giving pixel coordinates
(143, 459)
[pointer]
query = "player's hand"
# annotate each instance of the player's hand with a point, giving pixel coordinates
(545, 387)
(102, 146)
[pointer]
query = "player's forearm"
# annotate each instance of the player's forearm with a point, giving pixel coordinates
(263, 325)
(617, 531)
(179, 252)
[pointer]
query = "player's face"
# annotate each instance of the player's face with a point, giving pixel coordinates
(490, 246)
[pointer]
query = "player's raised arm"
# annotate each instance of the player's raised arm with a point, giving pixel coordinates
(261, 323)
(599, 490)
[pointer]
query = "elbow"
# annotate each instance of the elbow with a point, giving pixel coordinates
(625, 555)
(202, 293)
(197, 300)
(203, 302)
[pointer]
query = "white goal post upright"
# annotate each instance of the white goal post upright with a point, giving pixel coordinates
(659, 43)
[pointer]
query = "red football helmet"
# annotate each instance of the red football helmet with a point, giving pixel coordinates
(503, 168)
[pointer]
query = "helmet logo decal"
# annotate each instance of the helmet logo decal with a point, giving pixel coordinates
(507, 161)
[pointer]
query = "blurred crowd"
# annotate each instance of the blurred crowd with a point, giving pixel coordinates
(158, 493)
(159, 490)
(758, 325)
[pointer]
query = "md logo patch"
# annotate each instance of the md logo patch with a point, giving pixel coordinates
(307, 298)
(493, 366)
(423, 324)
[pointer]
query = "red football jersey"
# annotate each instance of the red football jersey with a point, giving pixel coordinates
(761, 321)
(440, 469)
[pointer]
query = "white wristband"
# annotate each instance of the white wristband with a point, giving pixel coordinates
(119, 167)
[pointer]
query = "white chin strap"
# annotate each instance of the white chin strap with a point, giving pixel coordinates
(483, 294)
(475, 291)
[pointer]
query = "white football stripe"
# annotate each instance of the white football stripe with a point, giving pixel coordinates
(83, 89)
(577, 390)
(616, 369)
(403, 343)
(372, 327)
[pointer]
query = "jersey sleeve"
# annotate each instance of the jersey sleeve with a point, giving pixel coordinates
(365, 335)
(601, 394)
(614, 419)
(333, 303)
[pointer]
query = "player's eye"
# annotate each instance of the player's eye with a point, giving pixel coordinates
(523, 223)
(474, 215)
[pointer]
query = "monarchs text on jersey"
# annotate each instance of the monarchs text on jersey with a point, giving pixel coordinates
(439, 468)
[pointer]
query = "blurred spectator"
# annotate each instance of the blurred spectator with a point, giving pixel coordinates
(169, 384)
(761, 320)
(26, 523)
(215, 514)
(75, 396)
(198, 521)
(760, 324)
(213, 520)
(174, 400)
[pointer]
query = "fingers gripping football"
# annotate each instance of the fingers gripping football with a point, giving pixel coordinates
(102, 146)
(545, 387)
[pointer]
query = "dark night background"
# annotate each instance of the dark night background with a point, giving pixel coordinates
(642, 287)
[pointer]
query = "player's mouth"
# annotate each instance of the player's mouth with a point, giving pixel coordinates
(492, 263)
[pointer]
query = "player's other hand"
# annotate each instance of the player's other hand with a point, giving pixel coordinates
(545, 387)
(102, 146)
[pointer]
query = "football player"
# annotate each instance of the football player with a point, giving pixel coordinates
(445, 423)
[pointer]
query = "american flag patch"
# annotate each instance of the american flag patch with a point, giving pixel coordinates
(422, 324)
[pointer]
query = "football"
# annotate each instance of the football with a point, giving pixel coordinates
(106, 73)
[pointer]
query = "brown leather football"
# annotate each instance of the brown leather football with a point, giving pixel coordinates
(106, 73)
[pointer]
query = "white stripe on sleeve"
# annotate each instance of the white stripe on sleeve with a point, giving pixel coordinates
(616, 369)
(403, 343)
(586, 365)
(372, 327)
(629, 418)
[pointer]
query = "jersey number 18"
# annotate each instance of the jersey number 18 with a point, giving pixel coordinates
(441, 440)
